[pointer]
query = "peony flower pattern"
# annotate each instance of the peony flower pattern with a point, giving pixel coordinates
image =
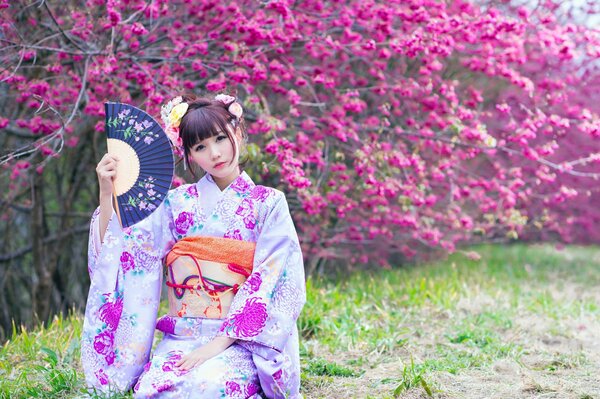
(246, 211)
(234, 234)
(260, 193)
(277, 375)
(252, 389)
(103, 342)
(163, 386)
(136, 387)
(183, 222)
(166, 324)
(102, 377)
(145, 259)
(191, 192)
(110, 357)
(110, 313)
(127, 262)
(253, 283)
(232, 388)
(250, 321)
(248, 318)
(240, 185)
(169, 365)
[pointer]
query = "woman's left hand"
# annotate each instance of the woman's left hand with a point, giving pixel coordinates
(204, 353)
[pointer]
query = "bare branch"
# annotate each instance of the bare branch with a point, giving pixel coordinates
(47, 240)
(16, 68)
(511, 151)
(20, 132)
(52, 49)
(33, 147)
(63, 33)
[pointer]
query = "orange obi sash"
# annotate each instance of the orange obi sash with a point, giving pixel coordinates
(205, 273)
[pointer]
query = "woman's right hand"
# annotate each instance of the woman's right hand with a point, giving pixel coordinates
(107, 170)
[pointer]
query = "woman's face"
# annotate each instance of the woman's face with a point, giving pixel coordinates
(216, 155)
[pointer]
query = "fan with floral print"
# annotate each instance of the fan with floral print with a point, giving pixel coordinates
(146, 163)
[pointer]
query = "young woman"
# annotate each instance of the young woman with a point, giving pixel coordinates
(229, 253)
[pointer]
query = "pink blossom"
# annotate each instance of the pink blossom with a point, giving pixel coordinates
(216, 84)
(138, 29)
(420, 117)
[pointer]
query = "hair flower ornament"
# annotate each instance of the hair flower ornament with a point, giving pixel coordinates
(177, 113)
(171, 114)
(233, 106)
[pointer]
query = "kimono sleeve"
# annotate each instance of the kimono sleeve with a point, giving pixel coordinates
(263, 314)
(120, 316)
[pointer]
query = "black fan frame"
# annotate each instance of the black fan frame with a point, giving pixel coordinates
(126, 123)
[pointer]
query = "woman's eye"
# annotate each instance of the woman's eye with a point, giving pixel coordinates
(200, 147)
(221, 137)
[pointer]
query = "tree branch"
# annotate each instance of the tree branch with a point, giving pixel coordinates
(23, 251)
(63, 33)
(20, 132)
(32, 147)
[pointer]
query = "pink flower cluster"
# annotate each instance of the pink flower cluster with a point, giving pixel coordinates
(398, 126)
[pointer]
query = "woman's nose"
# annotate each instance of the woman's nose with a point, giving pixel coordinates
(214, 152)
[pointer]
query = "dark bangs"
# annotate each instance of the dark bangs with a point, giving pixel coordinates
(204, 120)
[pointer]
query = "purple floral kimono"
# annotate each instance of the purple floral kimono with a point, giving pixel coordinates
(126, 272)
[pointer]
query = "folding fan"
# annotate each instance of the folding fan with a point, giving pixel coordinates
(145, 168)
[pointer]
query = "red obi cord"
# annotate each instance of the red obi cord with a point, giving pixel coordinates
(206, 285)
(239, 256)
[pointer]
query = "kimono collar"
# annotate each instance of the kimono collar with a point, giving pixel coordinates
(240, 184)
(210, 194)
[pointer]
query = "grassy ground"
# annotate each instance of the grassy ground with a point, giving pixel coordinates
(521, 322)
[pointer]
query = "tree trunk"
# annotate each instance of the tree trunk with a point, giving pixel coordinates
(42, 287)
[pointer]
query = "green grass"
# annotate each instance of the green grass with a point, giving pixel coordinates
(323, 367)
(42, 363)
(466, 307)
(384, 333)
(412, 378)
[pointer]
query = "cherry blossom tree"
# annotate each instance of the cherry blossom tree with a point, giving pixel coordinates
(395, 127)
